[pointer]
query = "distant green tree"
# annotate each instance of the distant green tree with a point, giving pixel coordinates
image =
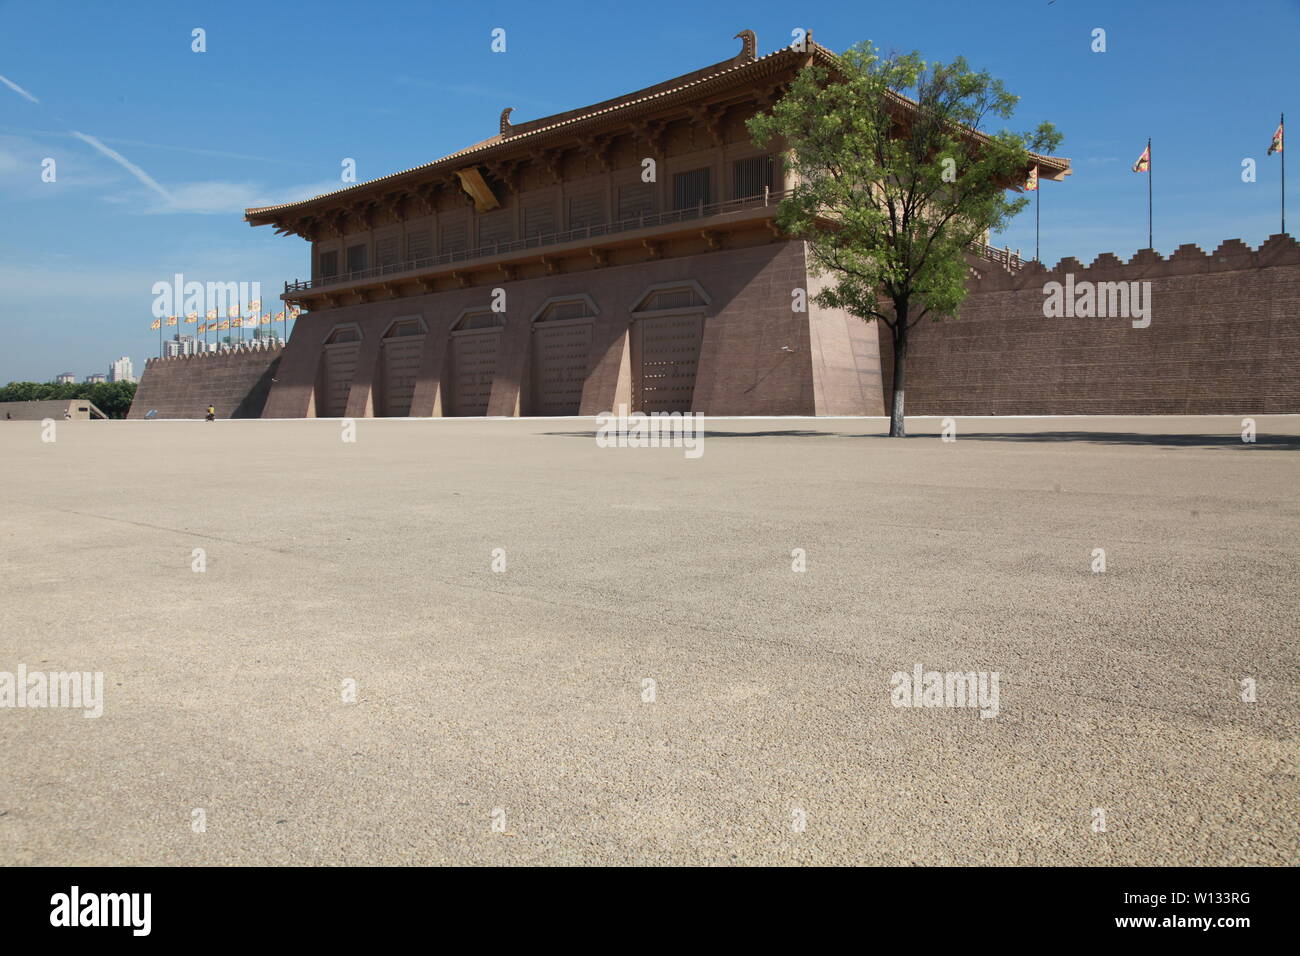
(112, 398)
(896, 177)
(19, 392)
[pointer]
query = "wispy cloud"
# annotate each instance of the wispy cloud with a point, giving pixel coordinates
(21, 167)
(18, 89)
(20, 179)
(170, 147)
(219, 197)
(214, 197)
(199, 151)
(125, 163)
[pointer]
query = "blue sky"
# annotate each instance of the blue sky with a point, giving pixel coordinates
(287, 90)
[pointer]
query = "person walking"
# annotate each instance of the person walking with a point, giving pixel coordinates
(212, 413)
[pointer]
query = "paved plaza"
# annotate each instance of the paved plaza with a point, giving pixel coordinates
(564, 653)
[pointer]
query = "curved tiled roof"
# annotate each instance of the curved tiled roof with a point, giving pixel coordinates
(534, 131)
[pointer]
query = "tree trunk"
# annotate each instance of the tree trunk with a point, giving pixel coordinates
(896, 427)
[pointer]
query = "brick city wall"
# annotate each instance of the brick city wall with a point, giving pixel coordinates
(236, 382)
(1224, 338)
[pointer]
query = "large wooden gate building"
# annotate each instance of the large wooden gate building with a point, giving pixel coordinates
(620, 254)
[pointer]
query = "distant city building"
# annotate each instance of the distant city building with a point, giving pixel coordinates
(183, 345)
(96, 378)
(65, 378)
(121, 371)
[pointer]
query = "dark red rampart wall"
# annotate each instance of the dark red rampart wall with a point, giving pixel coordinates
(1224, 338)
(236, 382)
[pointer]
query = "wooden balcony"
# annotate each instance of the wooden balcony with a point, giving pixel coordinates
(583, 235)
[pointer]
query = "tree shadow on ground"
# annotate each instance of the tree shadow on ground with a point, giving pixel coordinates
(1230, 440)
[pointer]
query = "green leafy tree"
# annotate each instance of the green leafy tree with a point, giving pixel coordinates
(19, 392)
(895, 178)
(112, 398)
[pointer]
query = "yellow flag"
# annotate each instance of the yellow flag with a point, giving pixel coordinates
(225, 324)
(157, 323)
(1144, 161)
(191, 318)
(171, 320)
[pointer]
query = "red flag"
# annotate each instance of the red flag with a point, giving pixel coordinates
(1277, 141)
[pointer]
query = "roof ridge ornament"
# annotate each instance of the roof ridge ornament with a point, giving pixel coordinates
(505, 120)
(748, 46)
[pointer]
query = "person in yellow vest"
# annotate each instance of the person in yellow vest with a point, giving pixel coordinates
(212, 413)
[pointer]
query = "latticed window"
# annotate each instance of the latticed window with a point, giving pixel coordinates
(356, 258)
(486, 319)
(404, 327)
(419, 244)
(494, 227)
(586, 211)
(539, 220)
(329, 264)
(683, 298)
(339, 336)
(691, 188)
(751, 176)
(387, 251)
(636, 199)
(453, 237)
(574, 309)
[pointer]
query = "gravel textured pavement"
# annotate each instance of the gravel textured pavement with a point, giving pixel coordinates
(648, 680)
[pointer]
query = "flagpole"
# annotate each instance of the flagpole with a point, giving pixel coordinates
(1038, 205)
(1282, 126)
(1150, 233)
